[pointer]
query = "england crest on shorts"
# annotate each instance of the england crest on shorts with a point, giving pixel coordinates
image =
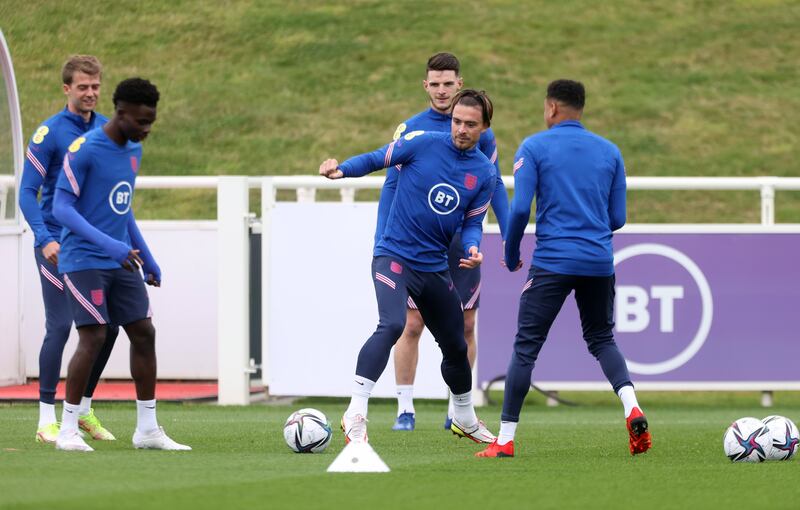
(97, 297)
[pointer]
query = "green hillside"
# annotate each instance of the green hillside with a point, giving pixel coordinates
(708, 88)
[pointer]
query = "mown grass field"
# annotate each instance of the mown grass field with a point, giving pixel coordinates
(567, 458)
(708, 88)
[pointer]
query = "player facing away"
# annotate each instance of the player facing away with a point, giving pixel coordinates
(445, 184)
(81, 76)
(102, 250)
(578, 179)
(442, 81)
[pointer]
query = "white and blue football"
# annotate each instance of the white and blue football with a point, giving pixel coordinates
(747, 440)
(784, 437)
(307, 431)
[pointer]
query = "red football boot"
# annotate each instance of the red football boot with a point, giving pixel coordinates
(495, 450)
(640, 440)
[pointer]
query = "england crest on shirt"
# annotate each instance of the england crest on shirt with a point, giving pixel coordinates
(470, 181)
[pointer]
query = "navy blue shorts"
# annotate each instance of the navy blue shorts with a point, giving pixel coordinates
(107, 296)
(467, 281)
(56, 305)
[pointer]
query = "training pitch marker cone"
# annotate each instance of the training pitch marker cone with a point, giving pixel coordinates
(358, 457)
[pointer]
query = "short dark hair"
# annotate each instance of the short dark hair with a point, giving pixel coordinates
(136, 91)
(569, 92)
(86, 64)
(476, 99)
(443, 62)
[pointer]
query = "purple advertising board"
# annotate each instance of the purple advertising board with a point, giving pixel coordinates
(690, 308)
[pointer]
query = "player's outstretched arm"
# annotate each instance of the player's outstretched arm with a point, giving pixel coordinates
(152, 272)
(330, 169)
(396, 153)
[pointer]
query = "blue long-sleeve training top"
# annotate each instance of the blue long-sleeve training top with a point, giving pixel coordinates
(432, 120)
(93, 200)
(43, 160)
(578, 179)
(440, 189)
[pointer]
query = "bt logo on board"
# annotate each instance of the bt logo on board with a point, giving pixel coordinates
(663, 307)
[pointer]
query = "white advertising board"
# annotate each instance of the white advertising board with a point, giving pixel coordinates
(323, 303)
(184, 307)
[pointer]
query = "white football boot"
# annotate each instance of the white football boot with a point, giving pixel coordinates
(355, 429)
(156, 440)
(478, 432)
(72, 441)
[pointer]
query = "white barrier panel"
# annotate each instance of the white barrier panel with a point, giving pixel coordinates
(323, 303)
(10, 280)
(184, 307)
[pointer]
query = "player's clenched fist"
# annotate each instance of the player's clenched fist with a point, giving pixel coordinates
(330, 169)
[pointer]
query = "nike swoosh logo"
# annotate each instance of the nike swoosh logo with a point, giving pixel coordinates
(359, 382)
(148, 407)
(70, 412)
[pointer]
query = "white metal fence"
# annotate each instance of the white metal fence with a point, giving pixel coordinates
(306, 186)
(235, 222)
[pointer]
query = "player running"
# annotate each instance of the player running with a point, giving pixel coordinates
(445, 184)
(81, 76)
(578, 179)
(101, 253)
(442, 81)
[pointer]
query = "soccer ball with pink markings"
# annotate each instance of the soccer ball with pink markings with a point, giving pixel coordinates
(783, 435)
(747, 440)
(307, 431)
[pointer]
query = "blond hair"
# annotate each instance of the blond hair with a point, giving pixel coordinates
(87, 64)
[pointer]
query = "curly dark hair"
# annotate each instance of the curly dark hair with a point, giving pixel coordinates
(136, 91)
(476, 99)
(569, 92)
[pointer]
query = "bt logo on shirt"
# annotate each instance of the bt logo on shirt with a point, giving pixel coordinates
(121, 197)
(443, 198)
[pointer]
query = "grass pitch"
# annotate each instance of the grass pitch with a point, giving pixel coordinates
(566, 458)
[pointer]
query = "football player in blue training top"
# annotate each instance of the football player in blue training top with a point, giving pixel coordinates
(101, 252)
(81, 75)
(442, 81)
(445, 185)
(578, 179)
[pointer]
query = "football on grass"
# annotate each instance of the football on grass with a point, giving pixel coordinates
(747, 440)
(307, 431)
(784, 437)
